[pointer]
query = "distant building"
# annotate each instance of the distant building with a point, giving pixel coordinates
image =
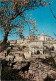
(37, 44)
(41, 43)
(44, 37)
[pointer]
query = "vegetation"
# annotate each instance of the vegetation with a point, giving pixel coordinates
(9, 74)
(14, 11)
(50, 61)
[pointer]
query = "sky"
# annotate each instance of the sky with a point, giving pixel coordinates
(45, 20)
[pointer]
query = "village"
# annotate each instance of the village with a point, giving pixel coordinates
(27, 54)
(32, 56)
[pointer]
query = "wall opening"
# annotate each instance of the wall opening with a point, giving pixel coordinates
(38, 52)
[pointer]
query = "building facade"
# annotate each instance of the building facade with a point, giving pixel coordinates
(41, 44)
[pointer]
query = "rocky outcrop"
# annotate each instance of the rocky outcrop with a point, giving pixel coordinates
(39, 71)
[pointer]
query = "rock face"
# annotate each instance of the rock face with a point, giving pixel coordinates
(35, 52)
(39, 71)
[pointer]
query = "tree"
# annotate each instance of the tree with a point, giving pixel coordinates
(52, 13)
(10, 10)
(53, 16)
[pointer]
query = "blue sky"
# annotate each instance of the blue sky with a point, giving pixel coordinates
(44, 18)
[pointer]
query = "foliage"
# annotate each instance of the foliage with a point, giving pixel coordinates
(11, 9)
(12, 16)
(9, 74)
(50, 61)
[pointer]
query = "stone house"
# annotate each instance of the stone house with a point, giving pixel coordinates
(40, 44)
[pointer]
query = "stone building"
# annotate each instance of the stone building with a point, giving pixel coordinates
(36, 51)
(40, 43)
(44, 37)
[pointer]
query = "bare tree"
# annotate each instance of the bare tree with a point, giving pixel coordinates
(53, 16)
(52, 13)
(11, 9)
